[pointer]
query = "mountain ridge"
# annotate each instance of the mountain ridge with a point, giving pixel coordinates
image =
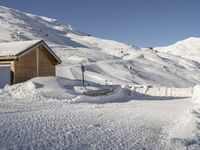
(107, 61)
(188, 48)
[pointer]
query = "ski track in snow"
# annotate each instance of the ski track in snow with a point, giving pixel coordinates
(54, 125)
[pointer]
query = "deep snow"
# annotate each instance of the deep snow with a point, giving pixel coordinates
(52, 125)
(52, 113)
(153, 104)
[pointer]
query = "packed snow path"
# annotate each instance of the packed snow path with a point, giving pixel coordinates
(135, 124)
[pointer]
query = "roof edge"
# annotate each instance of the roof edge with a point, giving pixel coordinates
(59, 61)
(8, 58)
(20, 54)
(30, 47)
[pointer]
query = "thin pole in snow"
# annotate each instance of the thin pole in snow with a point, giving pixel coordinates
(83, 70)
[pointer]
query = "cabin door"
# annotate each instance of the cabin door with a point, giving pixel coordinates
(5, 75)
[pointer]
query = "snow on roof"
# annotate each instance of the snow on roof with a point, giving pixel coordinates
(14, 48)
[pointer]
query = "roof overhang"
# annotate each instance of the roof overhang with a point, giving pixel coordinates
(8, 58)
(22, 53)
(59, 61)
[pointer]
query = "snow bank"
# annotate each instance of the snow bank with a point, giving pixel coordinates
(71, 91)
(196, 93)
(117, 95)
(62, 89)
(22, 90)
(183, 133)
(42, 88)
(162, 91)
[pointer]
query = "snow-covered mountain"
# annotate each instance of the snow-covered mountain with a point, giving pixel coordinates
(16, 25)
(188, 48)
(107, 61)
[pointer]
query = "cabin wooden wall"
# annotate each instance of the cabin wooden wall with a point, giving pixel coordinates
(25, 67)
(46, 66)
(35, 63)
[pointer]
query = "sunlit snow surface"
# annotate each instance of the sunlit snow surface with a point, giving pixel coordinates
(188, 48)
(14, 48)
(106, 61)
(52, 113)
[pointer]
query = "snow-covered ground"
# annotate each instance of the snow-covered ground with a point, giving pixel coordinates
(45, 113)
(52, 113)
(152, 103)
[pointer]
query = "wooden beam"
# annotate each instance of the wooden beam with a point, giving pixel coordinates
(38, 60)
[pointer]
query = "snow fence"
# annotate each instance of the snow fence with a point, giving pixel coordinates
(162, 91)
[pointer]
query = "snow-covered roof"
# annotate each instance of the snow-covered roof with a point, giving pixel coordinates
(14, 49)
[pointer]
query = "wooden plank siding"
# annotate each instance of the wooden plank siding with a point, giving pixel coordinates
(35, 63)
(25, 67)
(46, 63)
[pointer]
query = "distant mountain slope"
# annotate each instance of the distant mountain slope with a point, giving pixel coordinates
(106, 61)
(16, 25)
(188, 48)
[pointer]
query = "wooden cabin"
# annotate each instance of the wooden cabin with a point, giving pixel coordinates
(23, 60)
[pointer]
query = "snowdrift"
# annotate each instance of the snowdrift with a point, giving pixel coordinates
(196, 93)
(62, 89)
(41, 87)
(71, 91)
(161, 91)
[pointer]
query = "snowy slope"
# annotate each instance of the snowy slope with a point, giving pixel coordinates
(16, 25)
(188, 48)
(106, 61)
(41, 114)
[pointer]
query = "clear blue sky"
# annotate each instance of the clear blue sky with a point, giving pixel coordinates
(139, 22)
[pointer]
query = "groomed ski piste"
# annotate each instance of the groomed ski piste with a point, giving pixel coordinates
(53, 113)
(134, 98)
